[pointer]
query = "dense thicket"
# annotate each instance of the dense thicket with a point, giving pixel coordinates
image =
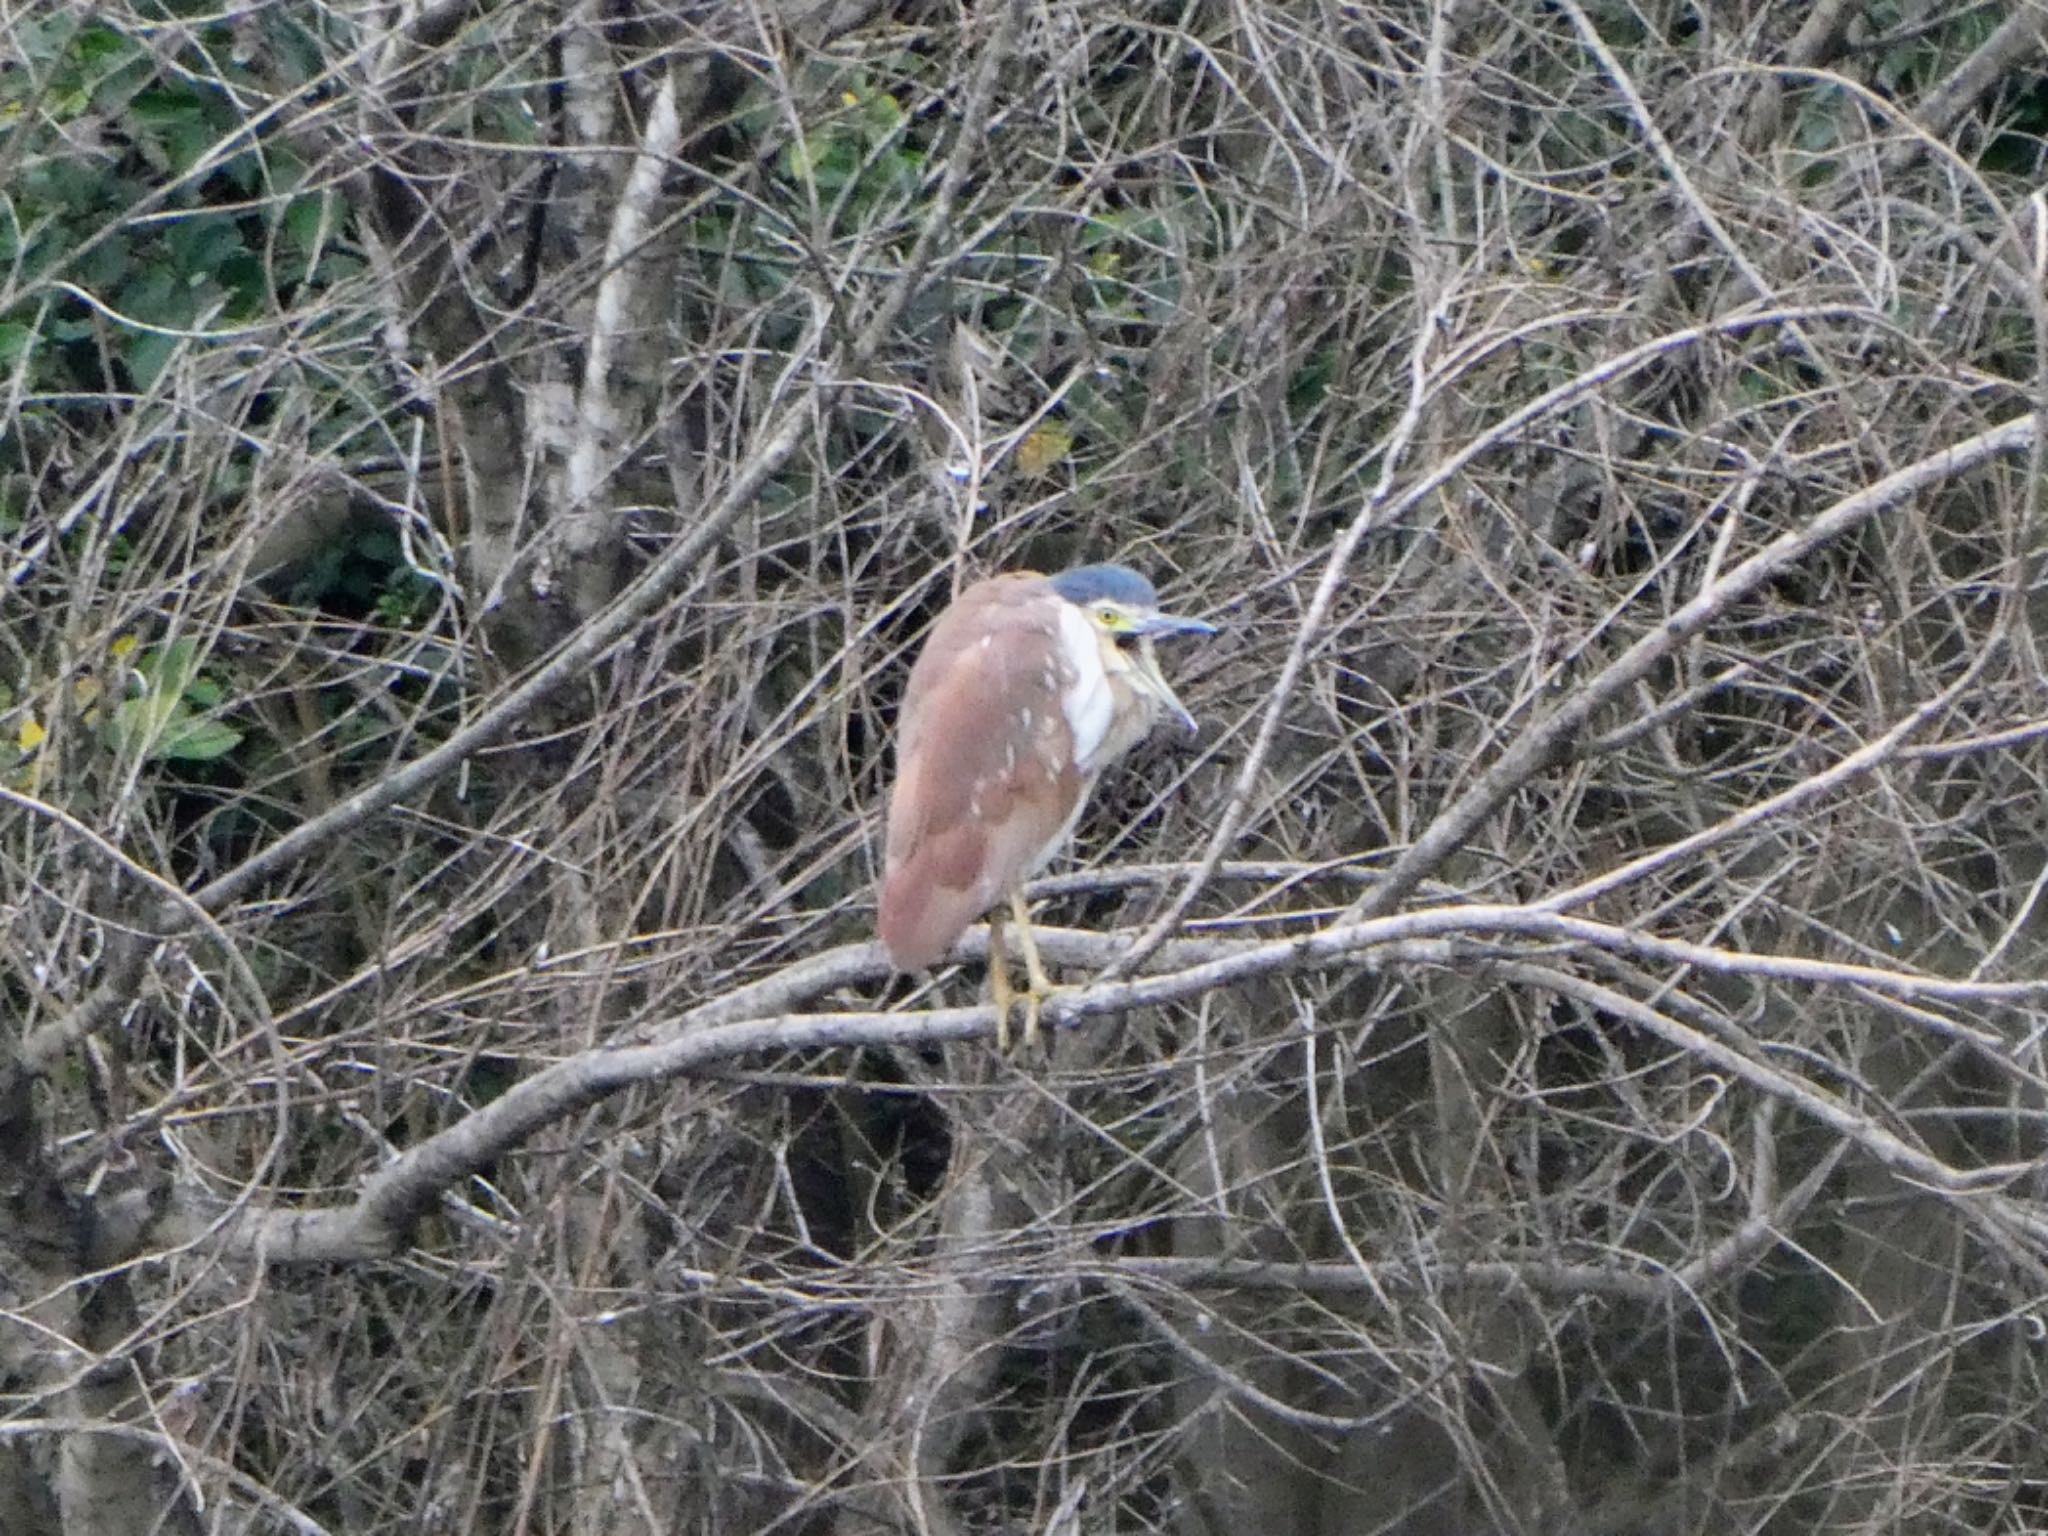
(1560, 1052)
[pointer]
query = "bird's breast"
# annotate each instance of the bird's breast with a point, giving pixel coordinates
(1085, 697)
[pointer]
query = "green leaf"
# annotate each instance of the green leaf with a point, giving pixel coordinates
(155, 295)
(827, 159)
(102, 47)
(162, 722)
(200, 245)
(136, 725)
(242, 274)
(108, 264)
(196, 740)
(179, 122)
(305, 223)
(882, 111)
(902, 169)
(338, 266)
(147, 354)
(172, 666)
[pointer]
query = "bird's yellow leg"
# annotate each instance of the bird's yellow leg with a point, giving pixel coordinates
(999, 980)
(1038, 983)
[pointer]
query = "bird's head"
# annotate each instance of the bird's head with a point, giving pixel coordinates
(1122, 609)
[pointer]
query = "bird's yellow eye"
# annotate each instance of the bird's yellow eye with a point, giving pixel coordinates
(1110, 618)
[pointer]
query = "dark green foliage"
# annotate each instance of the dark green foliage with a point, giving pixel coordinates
(145, 212)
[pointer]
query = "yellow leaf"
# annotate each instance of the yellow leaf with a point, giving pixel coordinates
(1043, 447)
(31, 734)
(125, 645)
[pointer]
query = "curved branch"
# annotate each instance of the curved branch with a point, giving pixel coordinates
(756, 1020)
(1382, 510)
(1541, 744)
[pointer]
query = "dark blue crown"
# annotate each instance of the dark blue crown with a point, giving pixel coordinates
(1117, 583)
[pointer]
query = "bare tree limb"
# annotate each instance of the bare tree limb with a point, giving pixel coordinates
(1541, 743)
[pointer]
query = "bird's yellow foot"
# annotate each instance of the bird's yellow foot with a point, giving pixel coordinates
(1004, 996)
(1038, 986)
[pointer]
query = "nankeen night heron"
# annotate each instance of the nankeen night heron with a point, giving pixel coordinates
(1027, 688)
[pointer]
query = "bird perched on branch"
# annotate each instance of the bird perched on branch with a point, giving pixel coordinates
(1027, 688)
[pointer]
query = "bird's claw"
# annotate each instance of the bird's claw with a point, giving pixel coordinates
(1004, 996)
(1038, 985)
